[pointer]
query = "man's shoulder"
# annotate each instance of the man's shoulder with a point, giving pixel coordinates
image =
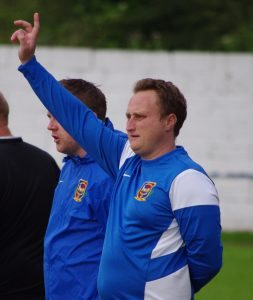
(37, 150)
(100, 174)
(89, 169)
(38, 156)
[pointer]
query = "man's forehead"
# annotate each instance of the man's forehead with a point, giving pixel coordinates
(143, 100)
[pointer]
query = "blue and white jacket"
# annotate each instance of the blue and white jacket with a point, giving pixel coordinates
(163, 238)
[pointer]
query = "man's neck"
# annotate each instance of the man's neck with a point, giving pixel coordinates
(5, 131)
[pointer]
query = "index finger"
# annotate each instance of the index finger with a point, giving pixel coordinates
(36, 22)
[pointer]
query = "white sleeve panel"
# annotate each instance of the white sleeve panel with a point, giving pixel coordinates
(191, 188)
(169, 242)
(176, 286)
(126, 153)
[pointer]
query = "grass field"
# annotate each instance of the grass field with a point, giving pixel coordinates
(235, 280)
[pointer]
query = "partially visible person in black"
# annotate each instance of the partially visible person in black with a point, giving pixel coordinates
(28, 177)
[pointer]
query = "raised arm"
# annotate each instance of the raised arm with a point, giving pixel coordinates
(26, 37)
(77, 119)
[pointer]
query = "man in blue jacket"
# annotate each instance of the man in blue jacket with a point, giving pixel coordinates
(75, 234)
(163, 238)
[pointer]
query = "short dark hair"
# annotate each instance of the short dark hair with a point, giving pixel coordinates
(4, 108)
(89, 94)
(171, 100)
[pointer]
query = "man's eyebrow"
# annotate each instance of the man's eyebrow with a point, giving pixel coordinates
(135, 114)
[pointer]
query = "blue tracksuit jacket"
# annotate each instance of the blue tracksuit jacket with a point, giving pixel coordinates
(76, 229)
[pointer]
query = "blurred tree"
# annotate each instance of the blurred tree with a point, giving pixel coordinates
(151, 24)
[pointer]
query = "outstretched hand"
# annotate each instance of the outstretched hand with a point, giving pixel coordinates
(26, 37)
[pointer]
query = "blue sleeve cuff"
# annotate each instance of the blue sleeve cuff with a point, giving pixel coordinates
(23, 67)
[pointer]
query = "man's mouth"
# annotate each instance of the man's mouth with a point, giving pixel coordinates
(56, 138)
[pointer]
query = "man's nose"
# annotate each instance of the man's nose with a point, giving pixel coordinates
(51, 124)
(130, 124)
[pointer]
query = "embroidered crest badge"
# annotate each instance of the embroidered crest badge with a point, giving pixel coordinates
(145, 191)
(80, 190)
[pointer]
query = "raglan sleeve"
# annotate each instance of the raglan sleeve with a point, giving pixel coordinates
(195, 204)
(78, 120)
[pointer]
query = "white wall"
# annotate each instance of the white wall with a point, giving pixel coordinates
(218, 87)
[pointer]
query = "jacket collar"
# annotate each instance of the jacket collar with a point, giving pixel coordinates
(79, 160)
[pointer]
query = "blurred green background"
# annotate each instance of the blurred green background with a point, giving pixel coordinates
(235, 280)
(211, 25)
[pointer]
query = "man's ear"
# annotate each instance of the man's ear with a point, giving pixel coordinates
(170, 121)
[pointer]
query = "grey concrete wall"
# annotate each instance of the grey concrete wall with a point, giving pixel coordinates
(218, 87)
